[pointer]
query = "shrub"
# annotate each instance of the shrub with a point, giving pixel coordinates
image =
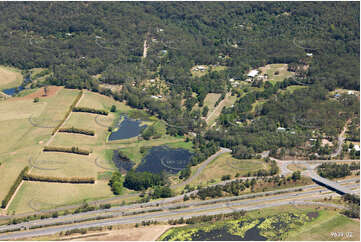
(116, 183)
(113, 109)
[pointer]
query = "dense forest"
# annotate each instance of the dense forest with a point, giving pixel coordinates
(85, 44)
(80, 39)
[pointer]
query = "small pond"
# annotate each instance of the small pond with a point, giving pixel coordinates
(127, 128)
(14, 90)
(122, 164)
(163, 158)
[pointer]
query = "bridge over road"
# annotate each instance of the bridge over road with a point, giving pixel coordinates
(330, 184)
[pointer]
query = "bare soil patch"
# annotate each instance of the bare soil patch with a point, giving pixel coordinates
(149, 233)
(52, 90)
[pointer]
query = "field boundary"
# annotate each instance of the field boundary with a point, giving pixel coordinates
(67, 115)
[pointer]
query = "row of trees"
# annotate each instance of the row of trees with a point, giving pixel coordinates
(73, 149)
(76, 180)
(77, 131)
(68, 112)
(13, 188)
(90, 110)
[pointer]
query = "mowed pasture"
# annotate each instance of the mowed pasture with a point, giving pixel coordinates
(19, 138)
(64, 165)
(42, 195)
(225, 164)
(71, 165)
(21, 109)
(10, 77)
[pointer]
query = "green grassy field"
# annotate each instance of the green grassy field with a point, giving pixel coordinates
(226, 165)
(43, 195)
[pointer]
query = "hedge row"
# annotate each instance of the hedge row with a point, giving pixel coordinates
(77, 131)
(90, 110)
(14, 187)
(68, 112)
(31, 177)
(73, 149)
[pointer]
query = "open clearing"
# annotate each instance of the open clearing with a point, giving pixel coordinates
(228, 101)
(148, 233)
(271, 70)
(10, 77)
(225, 164)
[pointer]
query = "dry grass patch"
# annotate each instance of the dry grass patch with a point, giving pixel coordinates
(213, 115)
(22, 109)
(225, 164)
(99, 101)
(296, 167)
(148, 233)
(43, 195)
(65, 165)
(10, 77)
(84, 121)
(271, 70)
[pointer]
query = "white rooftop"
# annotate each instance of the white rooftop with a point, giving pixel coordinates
(253, 73)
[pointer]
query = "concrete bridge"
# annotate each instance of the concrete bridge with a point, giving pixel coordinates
(330, 184)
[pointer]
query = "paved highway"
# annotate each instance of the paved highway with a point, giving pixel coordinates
(210, 209)
(194, 207)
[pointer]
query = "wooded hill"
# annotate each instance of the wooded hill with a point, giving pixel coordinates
(80, 39)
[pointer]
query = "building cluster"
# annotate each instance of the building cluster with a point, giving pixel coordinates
(200, 68)
(253, 75)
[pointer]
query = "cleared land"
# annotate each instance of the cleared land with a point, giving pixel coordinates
(10, 77)
(272, 69)
(226, 102)
(150, 233)
(199, 73)
(225, 164)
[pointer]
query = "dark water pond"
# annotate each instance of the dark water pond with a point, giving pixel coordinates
(252, 234)
(14, 90)
(128, 128)
(163, 158)
(122, 164)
